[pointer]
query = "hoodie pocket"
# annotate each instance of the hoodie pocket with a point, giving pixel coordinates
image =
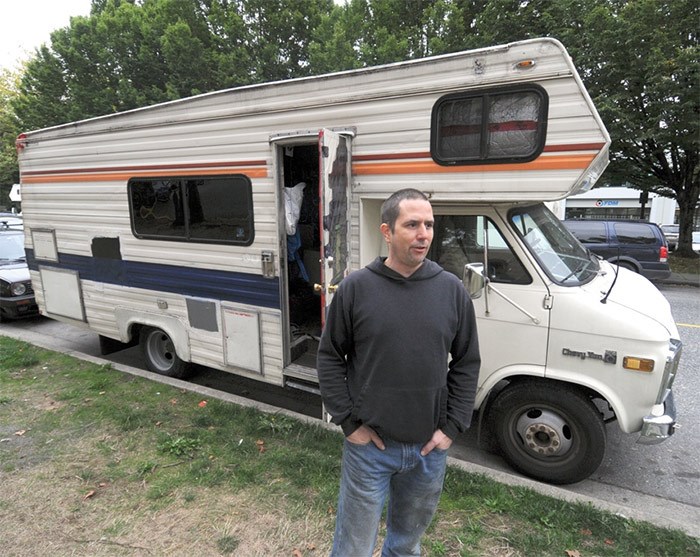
(405, 415)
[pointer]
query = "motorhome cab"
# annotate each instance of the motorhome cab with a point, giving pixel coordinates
(215, 229)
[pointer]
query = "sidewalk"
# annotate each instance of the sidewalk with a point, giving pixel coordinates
(682, 279)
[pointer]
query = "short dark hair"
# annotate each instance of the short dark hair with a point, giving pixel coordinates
(390, 208)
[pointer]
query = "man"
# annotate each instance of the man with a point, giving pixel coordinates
(385, 379)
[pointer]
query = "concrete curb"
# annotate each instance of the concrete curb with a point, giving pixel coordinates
(654, 510)
(681, 279)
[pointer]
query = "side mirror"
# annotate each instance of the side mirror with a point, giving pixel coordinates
(474, 280)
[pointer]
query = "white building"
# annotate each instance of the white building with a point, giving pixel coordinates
(617, 203)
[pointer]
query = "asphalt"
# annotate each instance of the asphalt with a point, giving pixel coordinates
(633, 505)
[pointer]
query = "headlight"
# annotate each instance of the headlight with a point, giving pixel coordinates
(18, 289)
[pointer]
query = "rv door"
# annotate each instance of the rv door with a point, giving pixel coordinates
(334, 182)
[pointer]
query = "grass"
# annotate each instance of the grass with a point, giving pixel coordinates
(689, 265)
(96, 462)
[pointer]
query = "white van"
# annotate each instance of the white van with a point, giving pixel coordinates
(215, 229)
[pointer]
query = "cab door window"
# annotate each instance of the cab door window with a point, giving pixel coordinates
(463, 239)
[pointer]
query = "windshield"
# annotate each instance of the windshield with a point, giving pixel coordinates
(11, 247)
(561, 255)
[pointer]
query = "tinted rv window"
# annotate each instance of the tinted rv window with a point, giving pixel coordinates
(489, 126)
(195, 209)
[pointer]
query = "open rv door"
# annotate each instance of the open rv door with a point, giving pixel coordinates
(334, 183)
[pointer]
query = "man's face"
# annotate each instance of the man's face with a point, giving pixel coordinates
(410, 240)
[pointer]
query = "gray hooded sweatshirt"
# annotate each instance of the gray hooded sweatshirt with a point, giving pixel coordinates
(384, 357)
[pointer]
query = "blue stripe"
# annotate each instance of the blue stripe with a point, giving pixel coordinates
(244, 288)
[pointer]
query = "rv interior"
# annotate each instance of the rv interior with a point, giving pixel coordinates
(302, 269)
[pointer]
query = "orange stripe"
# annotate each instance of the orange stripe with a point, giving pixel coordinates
(149, 167)
(74, 176)
(426, 154)
(569, 162)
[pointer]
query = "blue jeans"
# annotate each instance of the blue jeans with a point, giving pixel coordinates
(413, 484)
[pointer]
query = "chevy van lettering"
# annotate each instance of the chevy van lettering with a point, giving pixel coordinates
(610, 356)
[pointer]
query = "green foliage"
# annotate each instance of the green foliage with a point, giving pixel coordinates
(639, 59)
(179, 446)
(9, 130)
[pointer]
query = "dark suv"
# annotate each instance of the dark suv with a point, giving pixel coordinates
(638, 246)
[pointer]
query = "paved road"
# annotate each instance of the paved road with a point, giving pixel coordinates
(663, 478)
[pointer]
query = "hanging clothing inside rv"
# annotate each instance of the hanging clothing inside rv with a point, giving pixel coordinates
(293, 198)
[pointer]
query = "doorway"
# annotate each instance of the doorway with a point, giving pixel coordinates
(300, 194)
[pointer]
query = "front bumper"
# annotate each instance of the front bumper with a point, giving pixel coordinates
(18, 307)
(660, 424)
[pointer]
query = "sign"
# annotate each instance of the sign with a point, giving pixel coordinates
(607, 203)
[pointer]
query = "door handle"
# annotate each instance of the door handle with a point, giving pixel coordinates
(319, 287)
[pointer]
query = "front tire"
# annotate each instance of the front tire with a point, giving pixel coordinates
(548, 431)
(160, 354)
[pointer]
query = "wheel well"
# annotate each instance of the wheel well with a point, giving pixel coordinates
(626, 262)
(135, 331)
(485, 436)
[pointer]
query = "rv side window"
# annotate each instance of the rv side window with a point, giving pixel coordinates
(504, 125)
(217, 209)
(462, 239)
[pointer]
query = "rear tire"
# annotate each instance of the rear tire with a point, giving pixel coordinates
(160, 354)
(626, 265)
(548, 431)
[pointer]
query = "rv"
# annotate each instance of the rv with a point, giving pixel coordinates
(215, 229)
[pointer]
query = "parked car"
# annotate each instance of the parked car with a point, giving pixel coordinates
(671, 232)
(16, 293)
(11, 220)
(638, 246)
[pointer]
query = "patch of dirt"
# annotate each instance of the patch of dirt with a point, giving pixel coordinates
(60, 514)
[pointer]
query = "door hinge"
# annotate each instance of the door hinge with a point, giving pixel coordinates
(548, 301)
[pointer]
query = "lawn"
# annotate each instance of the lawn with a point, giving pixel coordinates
(96, 462)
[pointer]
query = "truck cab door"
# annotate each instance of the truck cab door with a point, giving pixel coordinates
(334, 185)
(512, 316)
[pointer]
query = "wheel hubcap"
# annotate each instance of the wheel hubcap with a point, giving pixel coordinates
(544, 433)
(161, 350)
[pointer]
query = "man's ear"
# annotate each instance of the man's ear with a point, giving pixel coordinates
(386, 231)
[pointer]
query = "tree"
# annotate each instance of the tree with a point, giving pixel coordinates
(639, 61)
(128, 54)
(280, 33)
(647, 94)
(9, 129)
(638, 58)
